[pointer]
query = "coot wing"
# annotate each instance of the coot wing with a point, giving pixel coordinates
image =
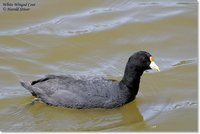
(72, 91)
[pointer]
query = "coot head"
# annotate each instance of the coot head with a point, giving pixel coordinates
(142, 61)
(136, 65)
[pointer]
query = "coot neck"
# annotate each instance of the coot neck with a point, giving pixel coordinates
(132, 79)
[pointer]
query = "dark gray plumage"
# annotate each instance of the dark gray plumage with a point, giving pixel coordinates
(90, 92)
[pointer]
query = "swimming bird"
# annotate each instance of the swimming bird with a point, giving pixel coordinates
(92, 92)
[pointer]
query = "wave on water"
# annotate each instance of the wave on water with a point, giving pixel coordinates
(76, 24)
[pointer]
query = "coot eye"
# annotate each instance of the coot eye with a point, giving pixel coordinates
(143, 59)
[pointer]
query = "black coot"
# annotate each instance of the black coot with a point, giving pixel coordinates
(93, 92)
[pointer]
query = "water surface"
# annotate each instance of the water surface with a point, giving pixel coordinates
(96, 38)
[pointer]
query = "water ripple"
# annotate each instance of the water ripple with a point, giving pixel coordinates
(183, 104)
(186, 62)
(69, 25)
